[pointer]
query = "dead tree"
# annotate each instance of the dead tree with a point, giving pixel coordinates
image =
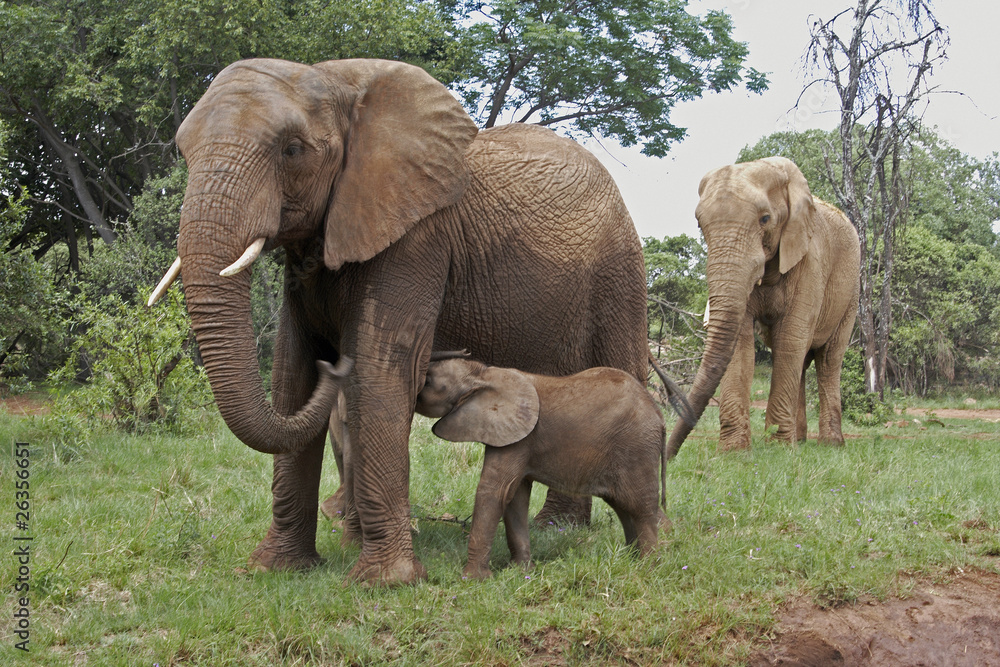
(878, 57)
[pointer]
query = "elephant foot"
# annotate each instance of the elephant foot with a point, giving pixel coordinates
(832, 441)
(333, 507)
(564, 510)
(402, 571)
(269, 557)
(476, 572)
(734, 438)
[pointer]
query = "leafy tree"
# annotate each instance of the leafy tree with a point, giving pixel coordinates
(946, 313)
(675, 282)
(597, 67)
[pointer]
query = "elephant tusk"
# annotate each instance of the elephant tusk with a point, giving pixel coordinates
(165, 282)
(246, 259)
(704, 319)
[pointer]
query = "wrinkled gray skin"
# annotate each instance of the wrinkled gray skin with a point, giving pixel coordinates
(403, 229)
(787, 262)
(597, 433)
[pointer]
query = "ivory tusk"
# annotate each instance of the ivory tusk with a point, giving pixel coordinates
(165, 282)
(246, 259)
(704, 319)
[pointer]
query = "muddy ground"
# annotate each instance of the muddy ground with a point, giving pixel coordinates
(954, 622)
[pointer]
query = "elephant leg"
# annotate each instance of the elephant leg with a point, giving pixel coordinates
(628, 524)
(801, 422)
(829, 363)
(333, 507)
(378, 476)
(290, 542)
(789, 356)
(515, 523)
(499, 483)
(734, 399)
(562, 509)
(340, 506)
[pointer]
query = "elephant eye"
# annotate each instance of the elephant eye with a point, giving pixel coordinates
(764, 219)
(293, 149)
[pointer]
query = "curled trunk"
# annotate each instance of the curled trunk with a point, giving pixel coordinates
(220, 316)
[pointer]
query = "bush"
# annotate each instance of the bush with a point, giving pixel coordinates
(139, 362)
(860, 406)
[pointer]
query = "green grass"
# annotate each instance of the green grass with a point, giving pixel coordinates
(138, 541)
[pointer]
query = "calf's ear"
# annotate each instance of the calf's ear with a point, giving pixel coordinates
(502, 410)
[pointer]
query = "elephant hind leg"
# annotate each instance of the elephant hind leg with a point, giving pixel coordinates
(801, 421)
(515, 523)
(828, 368)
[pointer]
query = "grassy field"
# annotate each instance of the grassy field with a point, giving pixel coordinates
(138, 544)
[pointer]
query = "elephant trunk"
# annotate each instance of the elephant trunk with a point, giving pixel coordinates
(729, 286)
(220, 316)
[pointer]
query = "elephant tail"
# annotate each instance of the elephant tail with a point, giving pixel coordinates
(675, 396)
(663, 471)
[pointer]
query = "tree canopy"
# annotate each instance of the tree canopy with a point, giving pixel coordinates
(92, 93)
(615, 69)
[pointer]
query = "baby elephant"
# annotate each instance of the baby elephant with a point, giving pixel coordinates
(596, 433)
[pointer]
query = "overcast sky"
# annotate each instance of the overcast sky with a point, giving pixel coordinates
(661, 194)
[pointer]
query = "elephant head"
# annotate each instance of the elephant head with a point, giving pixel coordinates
(478, 403)
(352, 152)
(751, 214)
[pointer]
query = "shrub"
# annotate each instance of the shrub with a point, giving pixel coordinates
(139, 362)
(860, 406)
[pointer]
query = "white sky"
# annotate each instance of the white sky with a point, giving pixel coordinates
(661, 194)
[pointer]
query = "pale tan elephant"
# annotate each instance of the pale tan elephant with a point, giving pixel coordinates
(597, 432)
(789, 263)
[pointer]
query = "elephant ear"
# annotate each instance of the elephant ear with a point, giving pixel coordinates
(403, 155)
(798, 229)
(501, 410)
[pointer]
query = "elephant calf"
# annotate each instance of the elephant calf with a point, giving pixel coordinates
(597, 433)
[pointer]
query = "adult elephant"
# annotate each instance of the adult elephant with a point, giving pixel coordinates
(403, 231)
(789, 262)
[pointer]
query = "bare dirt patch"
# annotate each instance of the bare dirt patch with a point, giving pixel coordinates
(952, 623)
(24, 405)
(953, 413)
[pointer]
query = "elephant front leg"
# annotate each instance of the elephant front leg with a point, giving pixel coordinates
(499, 484)
(787, 399)
(734, 399)
(829, 363)
(290, 542)
(378, 470)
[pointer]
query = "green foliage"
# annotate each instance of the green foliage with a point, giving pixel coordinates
(26, 285)
(612, 69)
(675, 283)
(858, 404)
(139, 361)
(947, 321)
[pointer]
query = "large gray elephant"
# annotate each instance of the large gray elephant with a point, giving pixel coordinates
(789, 262)
(404, 231)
